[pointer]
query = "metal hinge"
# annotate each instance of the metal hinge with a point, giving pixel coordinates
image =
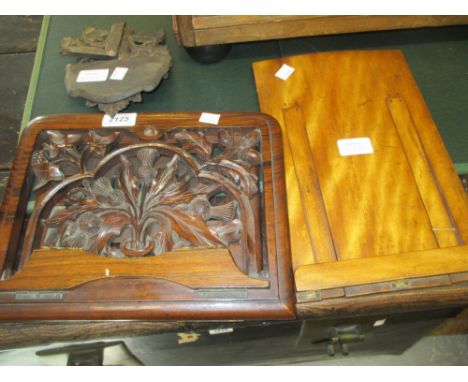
(400, 284)
(222, 294)
(39, 295)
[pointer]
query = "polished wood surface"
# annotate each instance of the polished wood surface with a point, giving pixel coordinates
(383, 268)
(315, 214)
(197, 269)
(71, 257)
(208, 30)
(360, 221)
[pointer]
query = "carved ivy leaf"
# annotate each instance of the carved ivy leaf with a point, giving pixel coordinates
(191, 228)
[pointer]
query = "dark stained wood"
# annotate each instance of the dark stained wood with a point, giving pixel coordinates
(21, 334)
(95, 42)
(194, 283)
(14, 335)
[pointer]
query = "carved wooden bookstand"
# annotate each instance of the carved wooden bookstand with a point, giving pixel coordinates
(170, 219)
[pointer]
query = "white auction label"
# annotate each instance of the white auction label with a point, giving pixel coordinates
(355, 146)
(380, 322)
(94, 75)
(120, 120)
(119, 73)
(220, 331)
(284, 72)
(211, 118)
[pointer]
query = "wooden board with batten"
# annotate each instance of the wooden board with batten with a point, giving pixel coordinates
(381, 230)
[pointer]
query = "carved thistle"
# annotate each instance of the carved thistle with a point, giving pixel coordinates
(113, 194)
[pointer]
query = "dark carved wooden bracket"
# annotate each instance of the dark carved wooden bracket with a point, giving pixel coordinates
(176, 211)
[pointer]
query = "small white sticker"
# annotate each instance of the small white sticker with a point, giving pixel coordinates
(119, 73)
(355, 146)
(94, 75)
(220, 331)
(119, 120)
(212, 119)
(284, 72)
(380, 322)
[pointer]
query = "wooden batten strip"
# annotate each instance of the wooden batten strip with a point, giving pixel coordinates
(442, 222)
(369, 270)
(311, 196)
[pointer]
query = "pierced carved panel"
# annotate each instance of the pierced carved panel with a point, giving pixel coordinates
(116, 195)
(170, 219)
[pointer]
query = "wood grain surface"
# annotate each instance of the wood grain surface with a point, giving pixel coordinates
(395, 213)
(195, 269)
(206, 30)
(384, 268)
(43, 282)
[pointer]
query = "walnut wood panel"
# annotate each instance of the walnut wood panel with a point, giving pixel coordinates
(197, 269)
(206, 30)
(398, 213)
(179, 216)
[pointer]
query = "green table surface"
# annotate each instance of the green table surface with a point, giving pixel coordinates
(438, 58)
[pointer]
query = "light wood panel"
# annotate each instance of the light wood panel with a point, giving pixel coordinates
(443, 226)
(379, 269)
(315, 216)
(387, 214)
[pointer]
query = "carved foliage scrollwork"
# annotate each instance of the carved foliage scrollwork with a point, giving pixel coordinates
(184, 189)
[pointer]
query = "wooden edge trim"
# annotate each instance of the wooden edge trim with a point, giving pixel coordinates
(183, 30)
(410, 300)
(283, 250)
(370, 270)
(151, 310)
(291, 28)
